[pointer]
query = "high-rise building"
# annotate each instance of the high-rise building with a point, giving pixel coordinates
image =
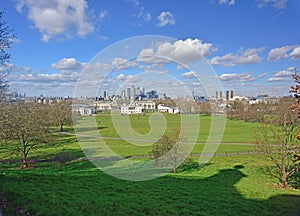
(128, 93)
(151, 94)
(133, 92)
(123, 94)
(227, 95)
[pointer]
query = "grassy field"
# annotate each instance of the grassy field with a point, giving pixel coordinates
(235, 185)
(235, 131)
(238, 135)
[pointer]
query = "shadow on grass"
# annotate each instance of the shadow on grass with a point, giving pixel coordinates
(88, 129)
(81, 190)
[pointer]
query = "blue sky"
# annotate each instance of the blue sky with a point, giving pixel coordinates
(253, 46)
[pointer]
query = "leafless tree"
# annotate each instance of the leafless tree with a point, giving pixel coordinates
(6, 39)
(167, 151)
(61, 158)
(276, 138)
(61, 113)
(24, 127)
(204, 108)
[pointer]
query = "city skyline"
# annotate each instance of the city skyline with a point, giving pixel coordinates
(251, 46)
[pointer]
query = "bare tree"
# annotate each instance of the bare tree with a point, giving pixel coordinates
(23, 127)
(276, 138)
(62, 158)
(204, 108)
(167, 151)
(61, 113)
(6, 39)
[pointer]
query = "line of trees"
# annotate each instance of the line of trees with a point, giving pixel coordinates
(25, 127)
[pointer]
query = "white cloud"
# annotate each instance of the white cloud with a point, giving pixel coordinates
(45, 77)
(68, 64)
(234, 77)
(102, 14)
(25, 79)
(279, 4)
(148, 56)
(165, 18)
(190, 74)
(141, 13)
(279, 79)
(122, 64)
(24, 73)
(278, 53)
(58, 18)
(58, 83)
(263, 75)
(295, 54)
(182, 51)
(121, 77)
(15, 70)
(287, 72)
(249, 56)
(283, 75)
(97, 68)
(227, 2)
(157, 68)
(147, 17)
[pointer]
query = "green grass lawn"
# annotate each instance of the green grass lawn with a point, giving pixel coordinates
(235, 185)
(236, 138)
(235, 130)
(227, 185)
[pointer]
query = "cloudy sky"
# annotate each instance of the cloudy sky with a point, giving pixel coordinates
(252, 46)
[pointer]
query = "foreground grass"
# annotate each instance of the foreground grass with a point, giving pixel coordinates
(237, 185)
(227, 186)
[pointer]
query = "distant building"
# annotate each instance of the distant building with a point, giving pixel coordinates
(163, 108)
(148, 106)
(265, 99)
(104, 106)
(131, 109)
(83, 110)
(151, 94)
(138, 107)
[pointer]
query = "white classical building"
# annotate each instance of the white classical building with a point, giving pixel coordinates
(148, 106)
(83, 110)
(138, 107)
(130, 109)
(104, 106)
(163, 108)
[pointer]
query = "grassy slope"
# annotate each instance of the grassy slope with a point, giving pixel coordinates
(218, 188)
(82, 189)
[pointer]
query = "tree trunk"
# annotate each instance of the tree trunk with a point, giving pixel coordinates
(60, 166)
(25, 162)
(61, 127)
(175, 166)
(284, 179)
